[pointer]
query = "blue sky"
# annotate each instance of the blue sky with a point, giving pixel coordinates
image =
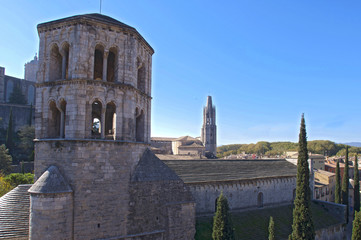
(264, 62)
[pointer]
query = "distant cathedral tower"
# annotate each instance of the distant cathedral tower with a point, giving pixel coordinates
(209, 128)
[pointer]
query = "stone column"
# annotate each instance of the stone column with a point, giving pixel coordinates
(63, 66)
(62, 124)
(105, 65)
(102, 128)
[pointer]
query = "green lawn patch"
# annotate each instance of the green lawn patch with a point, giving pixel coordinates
(254, 224)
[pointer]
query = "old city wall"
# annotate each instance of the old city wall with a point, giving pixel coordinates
(21, 115)
(98, 171)
(243, 194)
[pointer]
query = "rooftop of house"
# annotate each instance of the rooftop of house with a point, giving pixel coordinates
(326, 173)
(163, 139)
(227, 170)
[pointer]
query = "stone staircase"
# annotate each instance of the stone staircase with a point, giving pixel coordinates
(14, 213)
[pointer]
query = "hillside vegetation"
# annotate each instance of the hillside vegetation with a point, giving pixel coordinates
(263, 148)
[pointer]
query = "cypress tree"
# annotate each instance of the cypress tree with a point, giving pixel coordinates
(356, 188)
(302, 227)
(356, 228)
(9, 141)
(271, 229)
(345, 182)
(338, 184)
(222, 225)
(31, 114)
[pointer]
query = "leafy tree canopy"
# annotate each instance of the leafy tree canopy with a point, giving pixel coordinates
(5, 160)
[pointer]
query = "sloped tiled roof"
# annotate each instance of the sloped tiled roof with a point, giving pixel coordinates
(186, 138)
(14, 213)
(150, 168)
(193, 145)
(226, 170)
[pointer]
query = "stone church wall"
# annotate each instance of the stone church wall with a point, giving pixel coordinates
(161, 206)
(98, 172)
(244, 194)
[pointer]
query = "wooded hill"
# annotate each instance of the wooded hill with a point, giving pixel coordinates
(324, 147)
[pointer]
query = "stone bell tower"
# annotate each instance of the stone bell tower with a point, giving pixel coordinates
(92, 126)
(209, 128)
(95, 176)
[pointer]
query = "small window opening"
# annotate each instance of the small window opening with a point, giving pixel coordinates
(141, 77)
(96, 119)
(55, 68)
(98, 62)
(54, 120)
(111, 64)
(110, 121)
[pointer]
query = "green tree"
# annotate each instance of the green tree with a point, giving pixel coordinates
(16, 179)
(9, 140)
(356, 228)
(17, 96)
(338, 184)
(5, 160)
(222, 225)
(27, 135)
(30, 115)
(302, 227)
(345, 182)
(356, 188)
(271, 229)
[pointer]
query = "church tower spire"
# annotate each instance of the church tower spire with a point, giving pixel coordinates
(209, 128)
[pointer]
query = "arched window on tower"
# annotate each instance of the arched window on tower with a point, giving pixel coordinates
(96, 119)
(110, 121)
(98, 62)
(139, 126)
(62, 118)
(55, 63)
(54, 121)
(260, 200)
(65, 61)
(141, 76)
(111, 64)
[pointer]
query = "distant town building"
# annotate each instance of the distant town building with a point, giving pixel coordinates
(325, 183)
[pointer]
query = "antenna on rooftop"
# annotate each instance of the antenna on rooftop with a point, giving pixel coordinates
(100, 7)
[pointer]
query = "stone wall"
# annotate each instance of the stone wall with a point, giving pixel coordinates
(51, 214)
(335, 232)
(164, 146)
(21, 114)
(243, 194)
(162, 206)
(99, 172)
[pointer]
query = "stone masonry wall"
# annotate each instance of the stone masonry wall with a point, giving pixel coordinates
(98, 172)
(243, 194)
(21, 114)
(51, 214)
(162, 206)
